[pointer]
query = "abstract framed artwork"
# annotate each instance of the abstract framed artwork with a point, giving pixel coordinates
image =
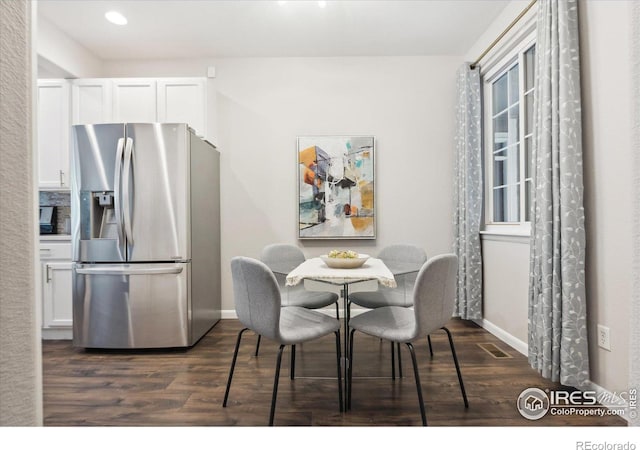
(336, 187)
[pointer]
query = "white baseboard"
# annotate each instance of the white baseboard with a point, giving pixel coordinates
(229, 314)
(505, 337)
(57, 334)
(522, 347)
(603, 393)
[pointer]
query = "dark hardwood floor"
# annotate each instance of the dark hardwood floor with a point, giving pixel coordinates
(185, 387)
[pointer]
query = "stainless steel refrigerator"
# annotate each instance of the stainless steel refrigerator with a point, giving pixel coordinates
(145, 209)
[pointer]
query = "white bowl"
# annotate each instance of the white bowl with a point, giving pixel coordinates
(345, 263)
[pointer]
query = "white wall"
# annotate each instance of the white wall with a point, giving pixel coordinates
(634, 317)
(606, 86)
(61, 56)
(605, 28)
(262, 104)
(510, 12)
(506, 280)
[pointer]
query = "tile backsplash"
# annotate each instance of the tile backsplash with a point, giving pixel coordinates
(63, 202)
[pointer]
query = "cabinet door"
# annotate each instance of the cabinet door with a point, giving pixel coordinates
(53, 133)
(91, 101)
(183, 100)
(134, 100)
(57, 294)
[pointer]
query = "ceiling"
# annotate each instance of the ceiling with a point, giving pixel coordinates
(165, 29)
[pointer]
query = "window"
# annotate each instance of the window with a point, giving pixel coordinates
(508, 127)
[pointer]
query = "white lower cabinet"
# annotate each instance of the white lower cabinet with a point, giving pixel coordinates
(57, 306)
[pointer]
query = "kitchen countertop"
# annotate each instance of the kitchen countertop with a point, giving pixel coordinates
(55, 237)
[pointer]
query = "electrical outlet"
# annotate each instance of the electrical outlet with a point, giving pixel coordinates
(603, 337)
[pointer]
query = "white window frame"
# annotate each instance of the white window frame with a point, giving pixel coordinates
(503, 58)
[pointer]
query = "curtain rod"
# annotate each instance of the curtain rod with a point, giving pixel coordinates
(511, 25)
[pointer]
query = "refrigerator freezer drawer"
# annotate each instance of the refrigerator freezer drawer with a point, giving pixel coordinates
(131, 305)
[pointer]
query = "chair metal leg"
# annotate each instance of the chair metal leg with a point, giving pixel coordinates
(430, 347)
(292, 369)
(418, 385)
(393, 362)
(233, 365)
(275, 385)
(337, 311)
(257, 346)
(338, 357)
(350, 371)
(399, 361)
(455, 361)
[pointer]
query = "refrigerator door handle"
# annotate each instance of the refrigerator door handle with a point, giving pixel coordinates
(129, 270)
(126, 199)
(117, 195)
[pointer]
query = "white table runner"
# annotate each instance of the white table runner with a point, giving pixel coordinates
(316, 269)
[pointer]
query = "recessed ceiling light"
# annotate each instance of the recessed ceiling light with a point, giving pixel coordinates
(322, 4)
(116, 18)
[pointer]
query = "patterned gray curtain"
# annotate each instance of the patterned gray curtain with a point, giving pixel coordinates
(557, 304)
(468, 196)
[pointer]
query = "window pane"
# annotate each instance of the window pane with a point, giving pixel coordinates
(514, 125)
(500, 131)
(514, 83)
(529, 61)
(506, 204)
(528, 99)
(506, 166)
(506, 128)
(500, 163)
(527, 157)
(500, 94)
(510, 103)
(527, 205)
(499, 195)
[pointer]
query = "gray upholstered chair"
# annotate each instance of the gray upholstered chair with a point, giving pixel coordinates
(284, 258)
(433, 306)
(277, 256)
(402, 295)
(258, 306)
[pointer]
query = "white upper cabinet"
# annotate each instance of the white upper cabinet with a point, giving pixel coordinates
(53, 134)
(112, 100)
(91, 101)
(134, 100)
(182, 100)
(62, 103)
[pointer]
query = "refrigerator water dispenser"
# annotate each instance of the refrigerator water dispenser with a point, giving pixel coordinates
(99, 215)
(98, 226)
